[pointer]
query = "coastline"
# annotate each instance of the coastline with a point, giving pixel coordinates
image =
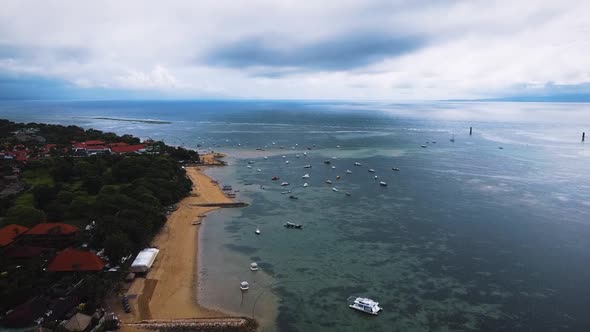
(169, 290)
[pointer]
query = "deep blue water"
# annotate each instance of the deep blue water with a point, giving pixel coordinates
(466, 236)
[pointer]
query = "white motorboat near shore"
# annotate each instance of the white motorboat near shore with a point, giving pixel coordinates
(306, 176)
(364, 304)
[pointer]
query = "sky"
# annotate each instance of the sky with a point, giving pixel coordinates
(284, 49)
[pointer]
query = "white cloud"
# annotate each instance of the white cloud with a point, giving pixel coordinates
(470, 49)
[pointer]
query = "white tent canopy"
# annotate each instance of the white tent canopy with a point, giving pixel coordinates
(144, 260)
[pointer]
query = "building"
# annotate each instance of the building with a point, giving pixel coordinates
(76, 260)
(51, 235)
(144, 260)
(9, 233)
(122, 149)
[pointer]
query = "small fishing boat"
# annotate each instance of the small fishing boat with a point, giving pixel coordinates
(358, 164)
(286, 192)
(338, 146)
(275, 178)
(307, 166)
(348, 171)
(383, 184)
(257, 231)
(452, 139)
(305, 184)
(286, 161)
(249, 166)
(284, 184)
(375, 177)
(395, 169)
(306, 176)
(244, 285)
(251, 162)
(296, 156)
(292, 225)
(337, 177)
(305, 154)
(348, 194)
(293, 197)
(333, 167)
(501, 148)
(422, 146)
(328, 182)
(327, 162)
(335, 190)
(196, 223)
(364, 304)
(254, 266)
(371, 170)
(258, 170)
(265, 157)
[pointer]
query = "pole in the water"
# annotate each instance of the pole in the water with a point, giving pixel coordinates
(583, 136)
(470, 131)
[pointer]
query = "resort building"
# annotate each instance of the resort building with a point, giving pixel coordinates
(51, 235)
(76, 260)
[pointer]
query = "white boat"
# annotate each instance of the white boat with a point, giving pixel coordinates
(244, 285)
(286, 192)
(265, 157)
(328, 182)
(383, 184)
(395, 169)
(305, 184)
(333, 167)
(249, 166)
(251, 162)
(338, 146)
(335, 190)
(305, 153)
(307, 166)
(375, 177)
(357, 164)
(348, 171)
(286, 161)
(284, 184)
(284, 156)
(257, 231)
(371, 170)
(254, 266)
(364, 304)
(306, 176)
(258, 170)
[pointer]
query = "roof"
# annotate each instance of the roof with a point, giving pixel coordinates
(128, 148)
(145, 258)
(96, 147)
(118, 144)
(10, 232)
(94, 142)
(53, 228)
(78, 322)
(76, 260)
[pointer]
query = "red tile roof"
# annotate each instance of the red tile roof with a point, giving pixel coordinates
(52, 228)
(9, 232)
(76, 260)
(128, 148)
(94, 142)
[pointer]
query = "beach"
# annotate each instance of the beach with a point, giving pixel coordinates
(168, 291)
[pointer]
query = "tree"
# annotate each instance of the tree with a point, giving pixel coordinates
(24, 215)
(117, 246)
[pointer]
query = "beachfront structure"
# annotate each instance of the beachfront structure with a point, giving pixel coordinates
(122, 149)
(51, 235)
(76, 260)
(144, 260)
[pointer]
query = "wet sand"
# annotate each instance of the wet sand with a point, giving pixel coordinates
(168, 291)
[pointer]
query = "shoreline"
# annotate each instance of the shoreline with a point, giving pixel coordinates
(169, 291)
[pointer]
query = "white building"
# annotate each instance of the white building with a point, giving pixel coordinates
(144, 260)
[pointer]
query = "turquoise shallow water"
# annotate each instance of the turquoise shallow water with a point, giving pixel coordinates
(466, 236)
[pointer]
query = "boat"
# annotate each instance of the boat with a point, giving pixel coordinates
(265, 157)
(226, 188)
(305, 184)
(422, 146)
(383, 184)
(358, 164)
(284, 184)
(258, 170)
(254, 266)
(364, 304)
(327, 162)
(452, 139)
(335, 190)
(337, 177)
(306, 176)
(286, 161)
(333, 167)
(307, 166)
(305, 154)
(293, 197)
(244, 285)
(296, 156)
(338, 146)
(292, 225)
(196, 223)
(257, 231)
(249, 166)
(251, 162)
(348, 194)
(395, 169)
(328, 182)
(286, 192)
(348, 171)
(371, 170)
(375, 177)
(501, 148)
(275, 178)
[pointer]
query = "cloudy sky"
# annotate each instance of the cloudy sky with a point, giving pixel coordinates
(284, 49)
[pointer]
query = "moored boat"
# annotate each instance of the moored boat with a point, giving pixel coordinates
(284, 184)
(364, 304)
(382, 183)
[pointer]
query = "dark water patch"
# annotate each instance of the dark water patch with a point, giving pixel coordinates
(242, 248)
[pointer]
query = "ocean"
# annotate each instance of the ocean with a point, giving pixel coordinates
(487, 233)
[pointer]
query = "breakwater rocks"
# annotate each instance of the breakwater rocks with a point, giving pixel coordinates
(237, 324)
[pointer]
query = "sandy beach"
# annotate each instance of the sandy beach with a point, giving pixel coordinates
(169, 289)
